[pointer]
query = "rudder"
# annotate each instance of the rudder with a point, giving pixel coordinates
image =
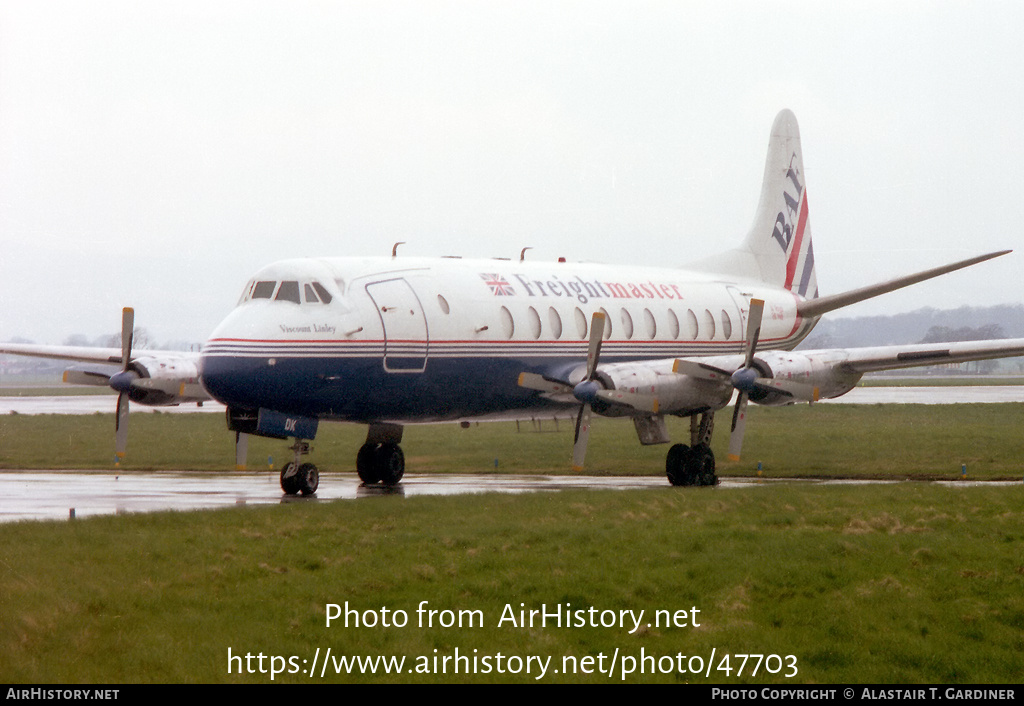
(777, 250)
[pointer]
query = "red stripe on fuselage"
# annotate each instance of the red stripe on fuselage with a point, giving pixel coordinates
(794, 256)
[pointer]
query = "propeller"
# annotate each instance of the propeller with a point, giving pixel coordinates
(122, 382)
(746, 379)
(588, 391)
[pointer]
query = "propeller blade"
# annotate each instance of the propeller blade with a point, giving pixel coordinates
(597, 323)
(127, 331)
(702, 371)
(122, 382)
(739, 426)
(753, 329)
(121, 428)
(579, 448)
(533, 381)
(86, 377)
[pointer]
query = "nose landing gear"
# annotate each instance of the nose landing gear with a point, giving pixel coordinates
(299, 477)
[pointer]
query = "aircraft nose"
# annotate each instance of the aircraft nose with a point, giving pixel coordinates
(228, 379)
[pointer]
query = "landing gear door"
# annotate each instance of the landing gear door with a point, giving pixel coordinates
(405, 325)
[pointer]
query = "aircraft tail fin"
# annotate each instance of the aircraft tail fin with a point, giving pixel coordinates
(777, 249)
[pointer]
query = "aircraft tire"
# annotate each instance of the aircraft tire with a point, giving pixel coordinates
(366, 463)
(702, 466)
(675, 464)
(390, 463)
(290, 482)
(309, 479)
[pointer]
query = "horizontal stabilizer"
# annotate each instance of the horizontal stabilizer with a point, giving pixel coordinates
(822, 305)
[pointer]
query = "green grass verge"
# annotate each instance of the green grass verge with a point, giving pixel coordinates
(905, 583)
(856, 441)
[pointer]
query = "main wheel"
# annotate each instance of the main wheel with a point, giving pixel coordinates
(309, 478)
(290, 481)
(676, 463)
(703, 465)
(390, 463)
(366, 464)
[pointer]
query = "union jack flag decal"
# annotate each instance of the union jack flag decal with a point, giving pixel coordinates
(498, 284)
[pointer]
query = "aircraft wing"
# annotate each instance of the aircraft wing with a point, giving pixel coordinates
(155, 378)
(82, 354)
(866, 360)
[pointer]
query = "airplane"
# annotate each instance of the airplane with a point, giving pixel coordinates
(392, 341)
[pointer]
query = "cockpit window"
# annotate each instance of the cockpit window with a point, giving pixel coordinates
(325, 296)
(288, 292)
(263, 290)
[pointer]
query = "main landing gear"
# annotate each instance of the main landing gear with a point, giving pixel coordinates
(380, 459)
(297, 477)
(694, 464)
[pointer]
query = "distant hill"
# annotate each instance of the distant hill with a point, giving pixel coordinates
(914, 327)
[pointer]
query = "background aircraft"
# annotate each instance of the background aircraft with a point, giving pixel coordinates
(394, 341)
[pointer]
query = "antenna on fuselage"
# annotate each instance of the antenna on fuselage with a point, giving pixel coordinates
(522, 254)
(394, 250)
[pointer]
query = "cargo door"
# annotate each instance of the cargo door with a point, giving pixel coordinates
(405, 325)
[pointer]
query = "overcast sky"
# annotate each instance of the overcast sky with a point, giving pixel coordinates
(156, 154)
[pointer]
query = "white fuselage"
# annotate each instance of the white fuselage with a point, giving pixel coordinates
(410, 339)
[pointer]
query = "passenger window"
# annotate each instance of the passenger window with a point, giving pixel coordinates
(627, 325)
(508, 324)
(673, 324)
(534, 318)
(691, 324)
(289, 292)
(263, 290)
(556, 322)
(607, 325)
(650, 325)
(443, 303)
(581, 323)
(710, 320)
(726, 325)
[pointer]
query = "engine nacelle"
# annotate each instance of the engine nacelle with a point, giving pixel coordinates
(676, 394)
(165, 381)
(821, 371)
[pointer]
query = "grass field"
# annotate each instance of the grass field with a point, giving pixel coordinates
(902, 583)
(905, 583)
(858, 441)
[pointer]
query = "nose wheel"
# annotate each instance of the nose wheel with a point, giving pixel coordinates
(297, 477)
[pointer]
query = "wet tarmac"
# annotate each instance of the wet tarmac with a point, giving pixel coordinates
(50, 495)
(63, 495)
